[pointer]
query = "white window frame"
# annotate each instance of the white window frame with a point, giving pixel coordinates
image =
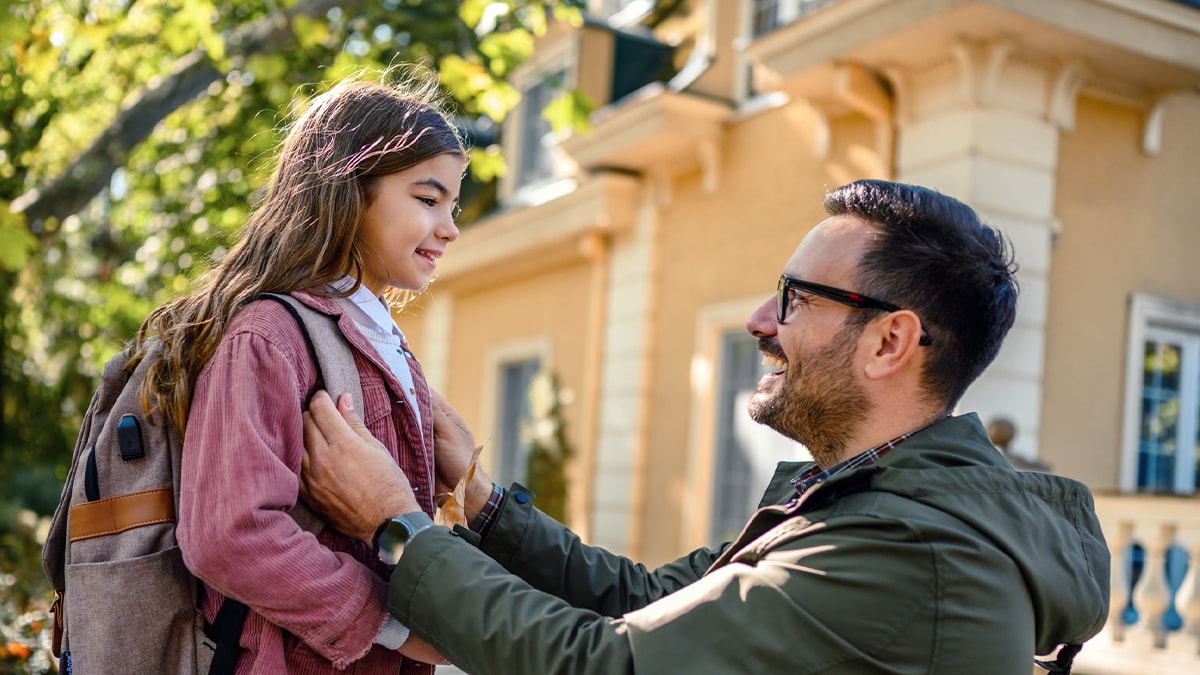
(497, 358)
(1150, 315)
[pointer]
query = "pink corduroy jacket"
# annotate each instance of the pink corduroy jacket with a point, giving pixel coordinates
(316, 603)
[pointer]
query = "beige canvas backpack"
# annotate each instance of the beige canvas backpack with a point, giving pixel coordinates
(125, 602)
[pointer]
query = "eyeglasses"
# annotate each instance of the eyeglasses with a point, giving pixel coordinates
(787, 285)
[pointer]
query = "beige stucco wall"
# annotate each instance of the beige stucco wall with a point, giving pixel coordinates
(594, 69)
(719, 247)
(1130, 223)
(551, 308)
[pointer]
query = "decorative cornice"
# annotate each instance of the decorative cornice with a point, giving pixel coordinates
(517, 240)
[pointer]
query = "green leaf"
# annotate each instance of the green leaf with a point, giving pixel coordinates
(536, 20)
(40, 61)
(569, 112)
(497, 101)
(310, 33)
(267, 67)
(12, 27)
(455, 74)
(488, 163)
(506, 50)
(16, 242)
(570, 14)
(471, 11)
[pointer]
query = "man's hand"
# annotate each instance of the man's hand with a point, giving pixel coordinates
(348, 476)
(453, 450)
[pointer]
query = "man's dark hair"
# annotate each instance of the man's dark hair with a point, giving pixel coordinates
(934, 256)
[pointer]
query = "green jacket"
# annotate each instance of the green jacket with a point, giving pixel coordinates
(938, 558)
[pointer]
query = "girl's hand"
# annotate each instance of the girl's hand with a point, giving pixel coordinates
(419, 650)
(453, 452)
(453, 444)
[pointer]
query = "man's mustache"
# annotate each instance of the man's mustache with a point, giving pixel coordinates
(770, 346)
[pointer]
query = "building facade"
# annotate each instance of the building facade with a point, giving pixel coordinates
(626, 258)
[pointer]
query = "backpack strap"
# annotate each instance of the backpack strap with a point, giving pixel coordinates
(338, 374)
(1061, 665)
(225, 631)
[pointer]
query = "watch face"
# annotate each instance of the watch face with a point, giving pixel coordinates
(398, 532)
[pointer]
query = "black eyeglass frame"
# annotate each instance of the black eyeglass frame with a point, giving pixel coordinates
(838, 295)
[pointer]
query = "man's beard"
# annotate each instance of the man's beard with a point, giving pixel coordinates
(818, 403)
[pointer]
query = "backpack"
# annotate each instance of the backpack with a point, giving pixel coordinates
(124, 601)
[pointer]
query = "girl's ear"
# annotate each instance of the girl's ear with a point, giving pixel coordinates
(893, 341)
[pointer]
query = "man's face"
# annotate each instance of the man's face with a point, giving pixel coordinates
(814, 394)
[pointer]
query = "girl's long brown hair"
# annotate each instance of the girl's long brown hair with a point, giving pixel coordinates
(305, 232)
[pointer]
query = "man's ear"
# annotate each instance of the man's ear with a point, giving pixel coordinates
(894, 341)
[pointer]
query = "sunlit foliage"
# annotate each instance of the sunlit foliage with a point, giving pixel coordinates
(162, 185)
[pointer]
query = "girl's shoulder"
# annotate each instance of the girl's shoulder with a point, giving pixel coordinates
(269, 319)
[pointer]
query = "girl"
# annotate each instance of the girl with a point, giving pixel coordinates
(362, 203)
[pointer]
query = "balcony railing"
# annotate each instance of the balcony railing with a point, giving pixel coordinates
(1154, 618)
(772, 14)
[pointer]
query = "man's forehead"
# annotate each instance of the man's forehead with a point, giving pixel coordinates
(830, 252)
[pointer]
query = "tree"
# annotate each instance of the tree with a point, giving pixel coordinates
(549, 449)
(134, 138)
(176, 104)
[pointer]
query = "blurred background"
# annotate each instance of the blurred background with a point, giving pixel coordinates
(135, 135)
(640, 172)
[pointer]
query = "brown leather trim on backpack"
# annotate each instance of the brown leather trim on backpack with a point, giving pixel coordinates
(117, 514)
(56, 612)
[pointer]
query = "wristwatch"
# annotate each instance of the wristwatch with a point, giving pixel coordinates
(392, 536)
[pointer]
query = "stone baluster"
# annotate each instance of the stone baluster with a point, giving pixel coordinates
(1189, 606)
(1152, 594)
(1119, 579)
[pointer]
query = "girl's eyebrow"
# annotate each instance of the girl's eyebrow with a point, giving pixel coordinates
(435, 184)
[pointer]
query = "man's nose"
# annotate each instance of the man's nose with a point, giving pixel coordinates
(762, 322)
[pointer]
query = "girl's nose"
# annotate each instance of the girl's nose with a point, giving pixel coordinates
(447, 231)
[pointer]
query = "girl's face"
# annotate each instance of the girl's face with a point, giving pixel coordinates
(409, 224)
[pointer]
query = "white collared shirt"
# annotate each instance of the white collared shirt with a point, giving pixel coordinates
(373, 319)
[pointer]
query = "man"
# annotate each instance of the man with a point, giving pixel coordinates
(909, 546)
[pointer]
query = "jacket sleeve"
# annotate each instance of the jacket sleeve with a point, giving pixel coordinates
(487, 621)
(553, 559)
(820, 602)
(240, 477)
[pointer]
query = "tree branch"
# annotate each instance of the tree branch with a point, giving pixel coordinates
(48, 204)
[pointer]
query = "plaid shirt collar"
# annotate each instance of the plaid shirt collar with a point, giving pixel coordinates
(814, 475)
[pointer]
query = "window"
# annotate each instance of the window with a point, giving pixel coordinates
(1162, 407)
(611, 7)
(772, 14)
(536, 163)
(513, 414)
(746, 452)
